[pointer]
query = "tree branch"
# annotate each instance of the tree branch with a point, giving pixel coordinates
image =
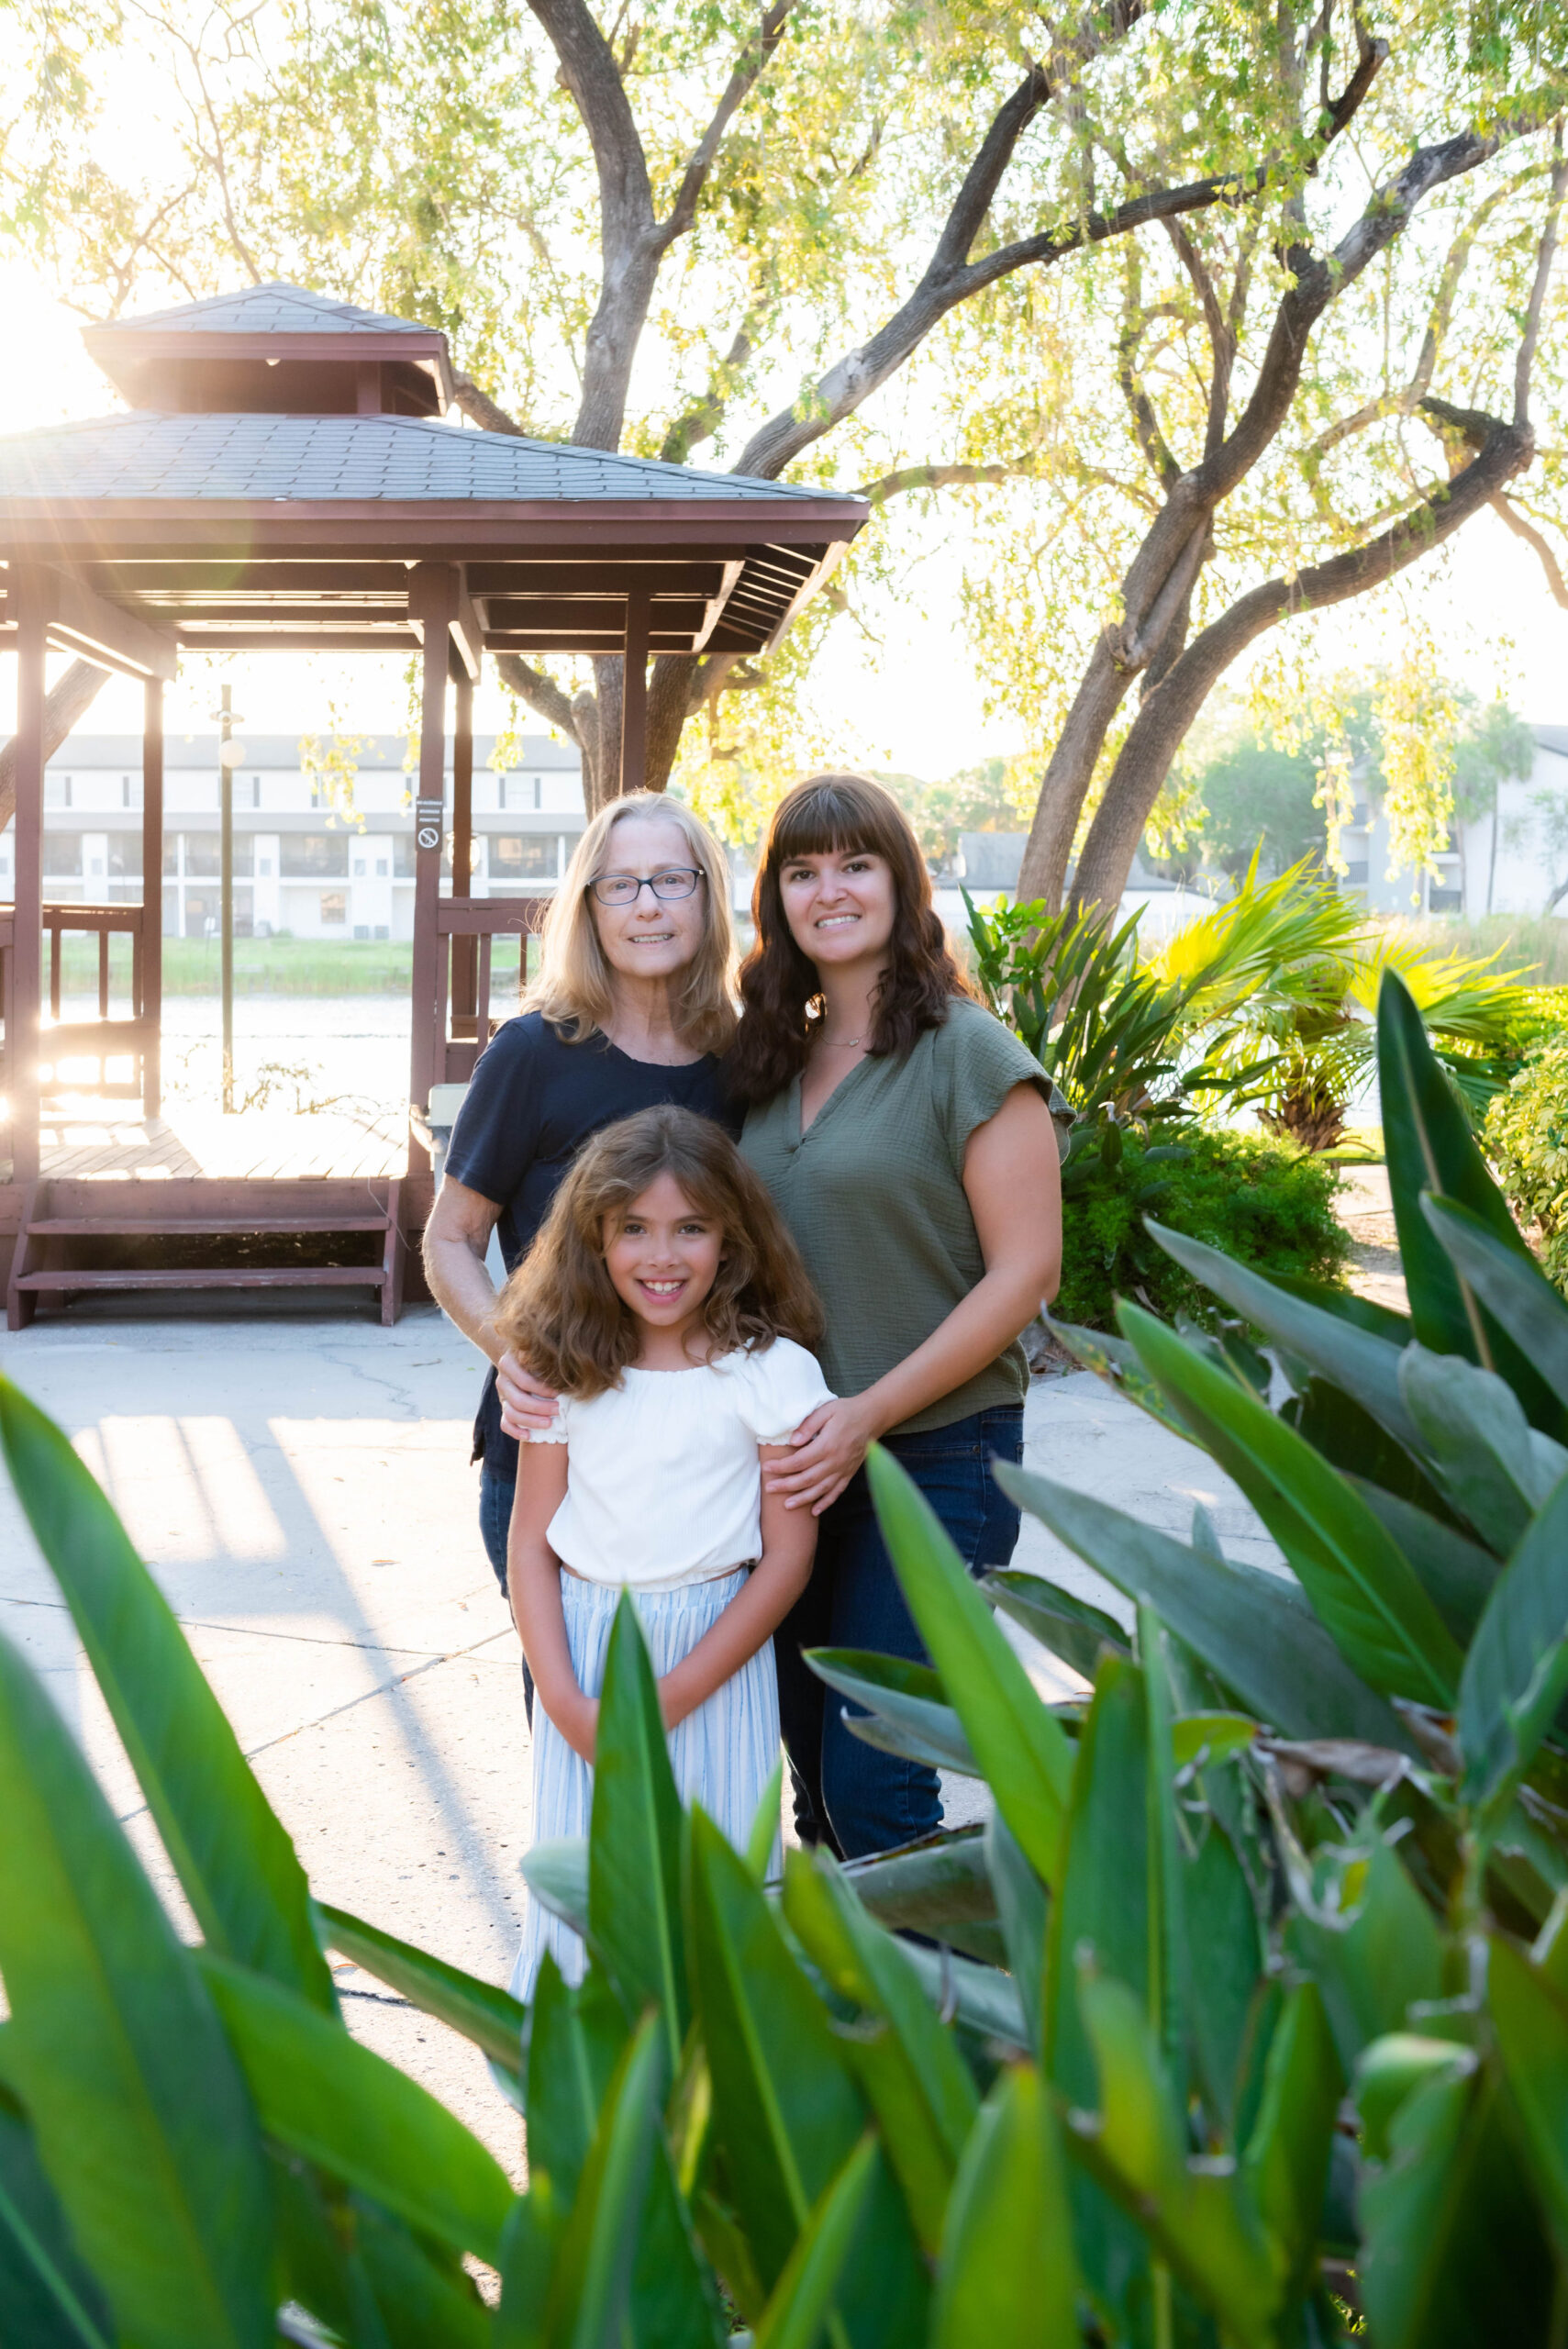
(1135, 321)
(749, 65)
(1219, 336)
(65, 705)
(481, 409)
(1557, 586)
(950, 277)
(954, 476)
(1545, 256)
(629, 254)
(632, 242)
(1404, 403)
(543, 695)
(1166, 714)
(702, 420)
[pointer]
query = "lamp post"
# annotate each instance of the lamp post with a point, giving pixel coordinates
(229, 750)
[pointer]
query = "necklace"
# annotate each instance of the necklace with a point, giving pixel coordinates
(842, 1043)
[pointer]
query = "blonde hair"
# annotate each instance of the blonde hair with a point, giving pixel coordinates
(573, 987)
(561, 1314)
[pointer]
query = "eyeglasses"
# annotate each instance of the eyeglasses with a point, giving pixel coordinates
(625, 888)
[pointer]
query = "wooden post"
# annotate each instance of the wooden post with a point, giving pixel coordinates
(225, 893)
(463, 997)
(30, 602)
(432, 604)
(634, 695)
(152, 1004)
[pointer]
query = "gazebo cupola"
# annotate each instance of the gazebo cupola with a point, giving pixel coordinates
(275, 351)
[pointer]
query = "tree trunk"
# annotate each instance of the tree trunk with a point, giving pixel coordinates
(1168, 712)
(1492, 844)
(65, 705)
(1042, 876)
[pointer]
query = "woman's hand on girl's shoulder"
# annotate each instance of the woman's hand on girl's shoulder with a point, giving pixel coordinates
(829, 1447)
(527, 1404)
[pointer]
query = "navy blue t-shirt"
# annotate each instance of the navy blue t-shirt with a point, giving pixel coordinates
(533, 1102)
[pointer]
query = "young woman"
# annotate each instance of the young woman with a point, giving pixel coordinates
(907, 1137)
(665, 1304)
(631, 1004)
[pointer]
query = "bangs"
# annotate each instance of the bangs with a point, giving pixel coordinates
(835, 816)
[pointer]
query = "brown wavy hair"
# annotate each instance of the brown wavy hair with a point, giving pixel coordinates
(559, 1311)
(780, 992)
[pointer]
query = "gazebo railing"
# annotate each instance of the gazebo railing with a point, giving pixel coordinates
(71, 1041)
(466, 931)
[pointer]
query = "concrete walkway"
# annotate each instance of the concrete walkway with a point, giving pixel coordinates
(300, 1487)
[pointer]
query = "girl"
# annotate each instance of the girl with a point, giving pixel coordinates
(666, 1305)
(907, 1139)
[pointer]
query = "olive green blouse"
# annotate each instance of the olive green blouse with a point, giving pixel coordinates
(874, 1195)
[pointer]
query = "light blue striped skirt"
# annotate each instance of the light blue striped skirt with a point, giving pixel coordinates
(723, 1754)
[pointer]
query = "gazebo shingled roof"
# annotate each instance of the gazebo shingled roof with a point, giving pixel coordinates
(283, 480)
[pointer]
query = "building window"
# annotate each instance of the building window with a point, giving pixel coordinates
(519, 791)
(334, 906)
(359, 868)
(524, 856)
(125, 856)
(62, 855)
(255, 791)
(381, 868)
(131, 790)
(313, 856)
(171, 856)
(204, 912)
(266, 868)
(203, 853)
(1355, 873)
(406, 857)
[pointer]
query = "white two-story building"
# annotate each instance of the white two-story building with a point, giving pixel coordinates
(303, 866)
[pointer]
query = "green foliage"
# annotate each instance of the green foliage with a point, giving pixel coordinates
(1258, 797)
(1526, 1139)
(979, 799)
(1266, 998)
(1260, 1964)
(1266, 1202)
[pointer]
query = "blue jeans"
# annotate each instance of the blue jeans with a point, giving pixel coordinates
(849, 1795)
(495, 1519)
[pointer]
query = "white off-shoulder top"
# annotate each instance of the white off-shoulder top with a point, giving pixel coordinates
(663, 1485)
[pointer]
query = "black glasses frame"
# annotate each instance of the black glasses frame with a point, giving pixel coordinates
(650, 880)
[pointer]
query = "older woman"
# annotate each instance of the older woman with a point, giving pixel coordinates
(907, 1137)
(630, 1007)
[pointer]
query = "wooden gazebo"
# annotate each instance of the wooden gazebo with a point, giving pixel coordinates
(282, 480)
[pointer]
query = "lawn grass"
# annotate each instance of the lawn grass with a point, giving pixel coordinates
(273, 967)
(1536, 948)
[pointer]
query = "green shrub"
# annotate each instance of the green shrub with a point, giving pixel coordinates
(1527, 1138)
(1265, 1203)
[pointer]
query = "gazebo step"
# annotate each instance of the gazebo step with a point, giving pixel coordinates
(215, 1277)
(186, 1235)
(172, 1227)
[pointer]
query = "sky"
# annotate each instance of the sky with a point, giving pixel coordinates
(911, 702)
